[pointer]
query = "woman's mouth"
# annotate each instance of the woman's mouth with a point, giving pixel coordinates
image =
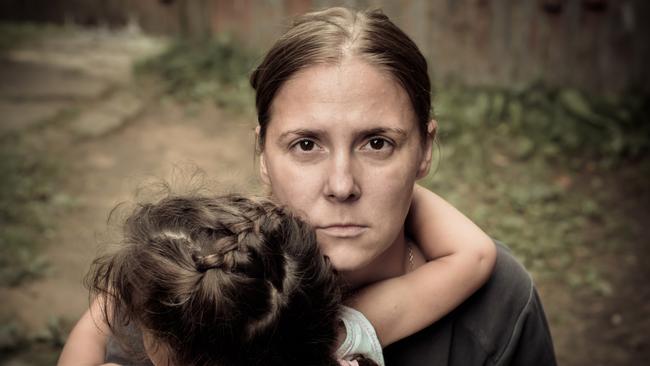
(342, 230)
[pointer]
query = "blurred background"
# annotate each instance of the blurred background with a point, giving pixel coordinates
(544, 141)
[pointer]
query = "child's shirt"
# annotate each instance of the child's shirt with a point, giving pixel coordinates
(360, 339)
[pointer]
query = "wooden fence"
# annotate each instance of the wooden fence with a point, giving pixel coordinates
(597, 45)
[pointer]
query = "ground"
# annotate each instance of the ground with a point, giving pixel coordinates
(112, 133)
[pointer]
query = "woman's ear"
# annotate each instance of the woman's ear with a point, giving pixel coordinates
(425, 163)
(264, 173)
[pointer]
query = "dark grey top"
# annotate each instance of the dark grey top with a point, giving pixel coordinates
(503, 323)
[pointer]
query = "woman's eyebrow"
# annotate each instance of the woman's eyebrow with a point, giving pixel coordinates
(301, 132)
(383, 130)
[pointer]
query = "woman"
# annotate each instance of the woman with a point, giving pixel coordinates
(343, 101)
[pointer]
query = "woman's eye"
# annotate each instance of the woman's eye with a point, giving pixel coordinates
(377, 143)
(306, 145)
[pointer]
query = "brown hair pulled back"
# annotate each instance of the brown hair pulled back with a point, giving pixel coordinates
(327, 37)
(221, 281)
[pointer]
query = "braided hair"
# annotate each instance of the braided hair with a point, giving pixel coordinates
(222, 280)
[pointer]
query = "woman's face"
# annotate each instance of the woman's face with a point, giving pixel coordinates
(343, 150)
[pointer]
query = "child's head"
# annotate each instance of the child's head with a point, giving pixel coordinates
(221, 281)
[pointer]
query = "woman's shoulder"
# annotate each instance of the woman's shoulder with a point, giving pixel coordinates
(497, 305)
(509, 280)
(505, 317)
(500, 324)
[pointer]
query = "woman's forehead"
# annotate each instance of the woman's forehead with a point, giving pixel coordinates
(352, 76)
(353, 94)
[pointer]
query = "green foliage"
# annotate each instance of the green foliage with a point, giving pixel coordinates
(532, 168)
(41, 349)
(214, 68)
(13, 35)
(12, 335)
(25, 189)
(553, 122)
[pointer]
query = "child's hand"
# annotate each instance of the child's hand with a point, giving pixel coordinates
(460, 260)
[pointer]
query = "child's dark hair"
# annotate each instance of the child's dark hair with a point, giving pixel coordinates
(222, 280)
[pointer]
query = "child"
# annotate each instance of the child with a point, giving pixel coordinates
(445, 287)
(219, 281)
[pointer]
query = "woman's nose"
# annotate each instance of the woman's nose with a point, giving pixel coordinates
(341, 183)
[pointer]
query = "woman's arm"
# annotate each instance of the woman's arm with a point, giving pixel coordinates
(86, 344)
(461, 258)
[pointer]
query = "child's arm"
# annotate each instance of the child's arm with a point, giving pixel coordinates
(86, 344)
(461, 258)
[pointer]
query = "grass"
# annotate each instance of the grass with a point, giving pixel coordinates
(26, 191)
(536, 169)
(214, 68)
(28, 200)
(40, 349)
(13, 35)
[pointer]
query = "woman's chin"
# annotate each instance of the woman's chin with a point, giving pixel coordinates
(354, 268)
(346, 261)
